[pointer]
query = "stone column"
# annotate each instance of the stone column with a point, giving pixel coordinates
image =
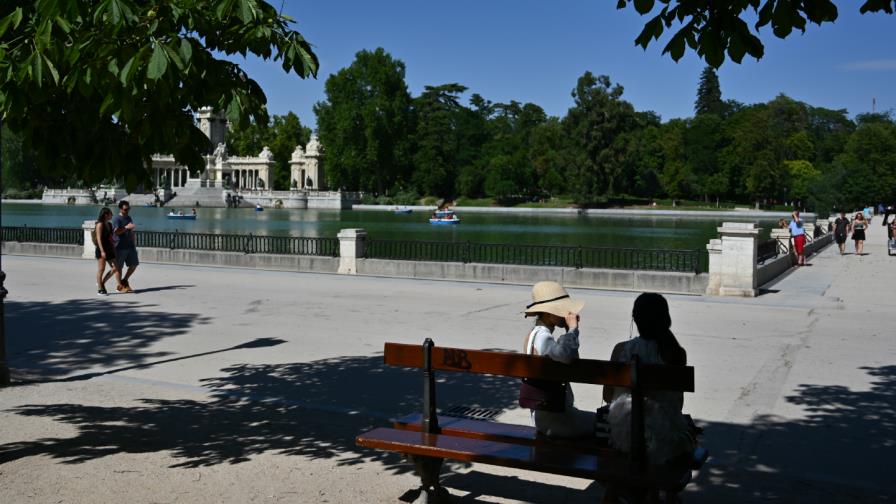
(714, 249)
(352, 246)
(783, 237)
(738, 266)
(88, 226)
(809, 226)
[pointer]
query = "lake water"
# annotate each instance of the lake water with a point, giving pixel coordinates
(537, 229)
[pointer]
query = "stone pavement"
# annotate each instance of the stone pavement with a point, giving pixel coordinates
(228, 385)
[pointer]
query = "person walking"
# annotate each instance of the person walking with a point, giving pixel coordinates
(798, 238)
(126, 245)
(104, 251)
(841, 227)
(858, 232)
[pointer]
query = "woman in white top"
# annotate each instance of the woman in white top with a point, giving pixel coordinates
(552, 308)
(668, 432)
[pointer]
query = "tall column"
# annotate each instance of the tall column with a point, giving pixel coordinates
(714, 250)
(783, 238)
(352, 246)
(88, 226)
(738, 267)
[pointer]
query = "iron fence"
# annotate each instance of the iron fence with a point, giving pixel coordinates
(248, 244)
(767, 249)
(691, 261)
(63, 236)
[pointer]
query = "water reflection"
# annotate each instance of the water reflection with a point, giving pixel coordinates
(642, 232)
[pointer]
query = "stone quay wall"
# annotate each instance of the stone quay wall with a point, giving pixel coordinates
(733, 270)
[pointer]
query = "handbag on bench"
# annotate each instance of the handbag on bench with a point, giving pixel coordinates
(542, 395)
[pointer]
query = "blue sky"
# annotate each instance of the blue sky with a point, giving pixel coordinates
(534, 51)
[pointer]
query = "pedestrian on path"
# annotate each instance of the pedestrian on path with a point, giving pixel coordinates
(858, 232)
(798, 235)
(126, 245)
(841, 227)
(104, 251)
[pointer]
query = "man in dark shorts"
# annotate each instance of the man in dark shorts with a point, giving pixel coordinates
(841, 224)
(125, 246)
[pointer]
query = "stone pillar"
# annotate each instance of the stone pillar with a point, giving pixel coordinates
(809, 226)
(352, 246)
(783, 238)
(714, 249)
(738, 265)
(88, 226)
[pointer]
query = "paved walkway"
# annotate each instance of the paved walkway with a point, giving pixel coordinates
(226, 385)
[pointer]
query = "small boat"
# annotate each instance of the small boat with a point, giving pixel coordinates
(402, 210)
(181, 216)
(444, 217)
(259, 208)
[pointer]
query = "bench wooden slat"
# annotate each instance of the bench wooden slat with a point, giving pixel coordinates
(545, 458)
(596, 372)
(494, 431)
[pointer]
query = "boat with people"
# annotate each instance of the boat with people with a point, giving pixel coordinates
(259, 208)
(402, 210)
(444, 217)
(173, 214)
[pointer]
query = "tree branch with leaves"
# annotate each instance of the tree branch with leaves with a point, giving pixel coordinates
(96, 87)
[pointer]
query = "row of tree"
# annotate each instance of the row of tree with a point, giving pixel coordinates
(381, 139)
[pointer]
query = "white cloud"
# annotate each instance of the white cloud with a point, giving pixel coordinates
(881, 64)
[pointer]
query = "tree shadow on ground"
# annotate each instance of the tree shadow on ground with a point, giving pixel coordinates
(841, 451)
(47, 340)
(313, 409)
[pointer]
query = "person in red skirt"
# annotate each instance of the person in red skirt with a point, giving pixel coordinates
(798, 237)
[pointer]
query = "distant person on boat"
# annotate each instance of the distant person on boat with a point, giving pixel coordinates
(194, 211)
(126, 245)
(104, 252)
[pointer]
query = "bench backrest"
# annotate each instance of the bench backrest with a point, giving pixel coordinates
(598, 372)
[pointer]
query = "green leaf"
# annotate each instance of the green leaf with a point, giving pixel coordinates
(37, 69)
(53, 72)
(125, 75)
(186, 51)
(158, 63)
(643, 6)
(172, 54)
(675, 47)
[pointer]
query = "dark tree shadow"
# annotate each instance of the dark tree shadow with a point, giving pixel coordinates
(313, 409)
(46, 340)
(840, 452)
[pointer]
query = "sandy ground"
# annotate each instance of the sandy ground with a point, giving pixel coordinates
(227, 385)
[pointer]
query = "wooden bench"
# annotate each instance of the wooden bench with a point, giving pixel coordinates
(428, 438)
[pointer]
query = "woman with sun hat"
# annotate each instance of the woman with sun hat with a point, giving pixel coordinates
(552, 403)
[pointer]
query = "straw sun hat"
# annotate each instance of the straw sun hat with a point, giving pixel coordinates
(551, 297)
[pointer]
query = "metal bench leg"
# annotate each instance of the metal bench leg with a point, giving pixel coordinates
(431, 491)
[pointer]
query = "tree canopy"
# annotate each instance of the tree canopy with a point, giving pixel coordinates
(441, 143)
(716, 29)
(364, 123)
(95, 87)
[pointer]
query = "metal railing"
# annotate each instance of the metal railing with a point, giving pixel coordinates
(63, 236)
(690, 261)
(767, 249)
(248, 244)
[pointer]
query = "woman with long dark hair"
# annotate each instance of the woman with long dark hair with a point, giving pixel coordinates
(858, 232)
(105, 251)
(669, 433)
